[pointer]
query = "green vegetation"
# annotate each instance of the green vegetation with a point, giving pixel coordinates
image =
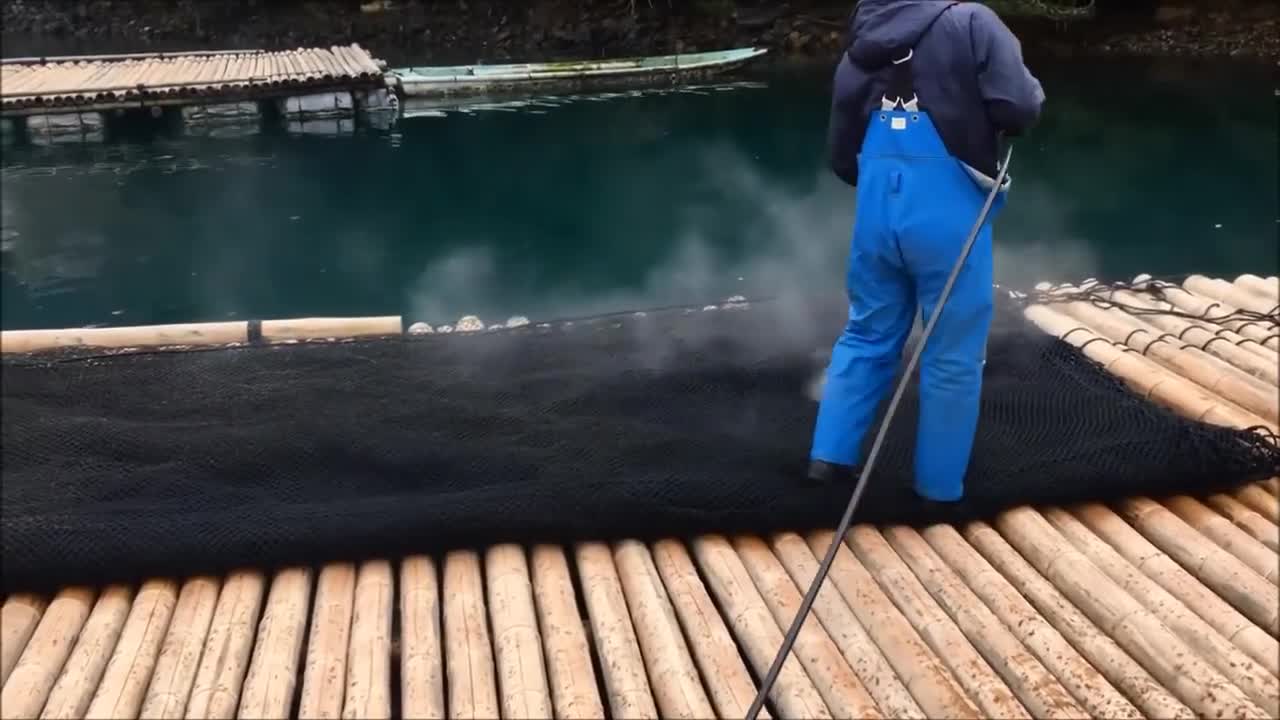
(1052, 9)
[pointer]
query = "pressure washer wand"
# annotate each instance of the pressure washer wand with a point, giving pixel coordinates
(825, 567)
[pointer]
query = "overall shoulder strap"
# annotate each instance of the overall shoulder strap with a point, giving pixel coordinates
(901, 85)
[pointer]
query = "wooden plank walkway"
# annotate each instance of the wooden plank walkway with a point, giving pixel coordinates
(1165, 607)
(68, 84)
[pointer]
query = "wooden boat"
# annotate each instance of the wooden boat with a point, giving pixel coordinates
(415, 82)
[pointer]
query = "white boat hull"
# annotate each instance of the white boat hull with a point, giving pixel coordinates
(567, 76)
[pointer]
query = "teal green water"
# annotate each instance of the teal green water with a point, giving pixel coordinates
(606, 203)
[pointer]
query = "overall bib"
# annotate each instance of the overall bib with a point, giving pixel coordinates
(916, 204)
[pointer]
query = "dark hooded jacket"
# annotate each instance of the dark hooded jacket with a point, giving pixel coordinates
(968, 74)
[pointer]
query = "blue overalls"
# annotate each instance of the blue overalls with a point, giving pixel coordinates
(916, 204)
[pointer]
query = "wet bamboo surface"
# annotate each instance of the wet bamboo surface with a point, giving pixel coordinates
(1143, 607)
(70, 82)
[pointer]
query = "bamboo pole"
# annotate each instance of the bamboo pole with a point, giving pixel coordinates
(719, 662)
(1131, 544)
(219, 333)
(421, 649)
(1254, 346)
(175, 671)
(367, 62)
(216, 691)
(1077, 676)
(1229, 576)
(316, 328)
(74, 689)
(1136, 629)
(473, 692)
(1097, 646)
(1226, 292)
(1230, 536)
(1039, 691)
(368, 692)
(677, 689)
(840, 687)
(1233, 663)
(928, 679)
(1260, 501)
(324, 674)
(1208, 309)
(124, 683)
(978, 679)
(1263, 288)
(616, 644)
(1144, 376)
(794, 694)
(1217, 375)
(41, 661)
(574, 693)
(1245, 518)
(1272, 486)
(522, 678)
(859, 650)
(198, 334)
(18, 619)
(1222, 343)
(273, 668)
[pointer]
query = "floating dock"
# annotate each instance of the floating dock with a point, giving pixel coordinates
(1146, 607)
(59, 97)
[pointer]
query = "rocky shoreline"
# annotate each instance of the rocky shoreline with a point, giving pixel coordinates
(463, 31)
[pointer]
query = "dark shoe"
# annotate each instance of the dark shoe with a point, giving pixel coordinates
(933, 511)
(822, 472)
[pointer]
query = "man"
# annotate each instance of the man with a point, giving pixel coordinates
(921, 99)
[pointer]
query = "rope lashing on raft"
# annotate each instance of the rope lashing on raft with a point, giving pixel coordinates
(1102, 295)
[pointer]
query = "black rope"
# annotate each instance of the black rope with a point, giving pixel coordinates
(1209, 342)
(1129, 337)
(1101, 339)
(825, 566)
(1153, 343)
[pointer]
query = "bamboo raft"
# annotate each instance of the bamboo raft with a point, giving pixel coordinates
(32, 86)
(1146, 607)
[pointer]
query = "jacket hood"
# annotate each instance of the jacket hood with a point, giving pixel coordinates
(882, 30)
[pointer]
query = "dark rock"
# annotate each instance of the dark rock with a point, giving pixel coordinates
(1174, 14)
(797, 40)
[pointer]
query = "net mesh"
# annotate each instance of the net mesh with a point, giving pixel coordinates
(121, 466)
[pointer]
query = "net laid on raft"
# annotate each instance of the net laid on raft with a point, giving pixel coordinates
(676, 422)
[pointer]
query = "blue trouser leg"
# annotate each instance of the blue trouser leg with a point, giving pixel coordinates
(933, 227)
(951, 371)
(881, 309)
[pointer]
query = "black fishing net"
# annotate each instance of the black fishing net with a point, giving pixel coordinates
(672, 422)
